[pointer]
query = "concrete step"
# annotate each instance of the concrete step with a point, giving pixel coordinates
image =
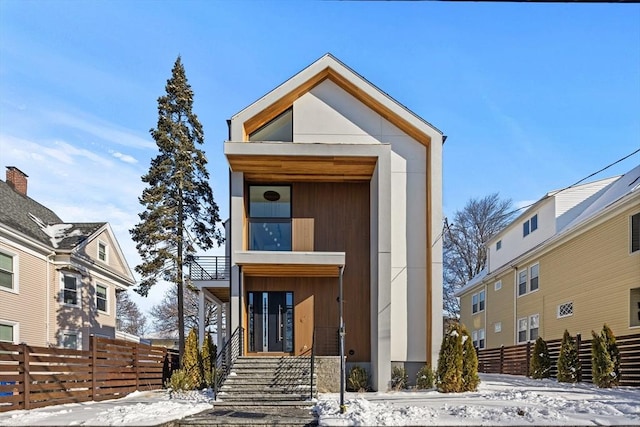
(262, 397)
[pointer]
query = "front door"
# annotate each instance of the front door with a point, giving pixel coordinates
(270, 321)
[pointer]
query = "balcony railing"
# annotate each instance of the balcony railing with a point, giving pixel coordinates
(209, 268)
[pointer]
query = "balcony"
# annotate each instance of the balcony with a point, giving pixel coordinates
(209, 268)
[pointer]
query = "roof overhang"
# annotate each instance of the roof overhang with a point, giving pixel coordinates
(290, 264)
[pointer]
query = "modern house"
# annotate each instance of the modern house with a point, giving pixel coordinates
(333, 182)
(570, 261)
(58, 281)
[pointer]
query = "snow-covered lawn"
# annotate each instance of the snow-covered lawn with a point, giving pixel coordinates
(500, 400)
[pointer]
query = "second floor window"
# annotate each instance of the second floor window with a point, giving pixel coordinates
(533, 277)
(101, 298)
(522, 282)
(477, 301)
(70, 290)
(269, 218)
(635, 232)
(6, 271)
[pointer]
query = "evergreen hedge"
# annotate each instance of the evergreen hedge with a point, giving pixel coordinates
(540, 361)
(568, 361)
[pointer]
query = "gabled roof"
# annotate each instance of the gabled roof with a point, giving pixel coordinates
(40, 223)
(328, 67)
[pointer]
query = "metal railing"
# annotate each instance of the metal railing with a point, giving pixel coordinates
(225, 359)
(209, 268)
(326, 341)
(313, 361)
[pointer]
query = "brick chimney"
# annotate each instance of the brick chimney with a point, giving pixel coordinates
(17, 180)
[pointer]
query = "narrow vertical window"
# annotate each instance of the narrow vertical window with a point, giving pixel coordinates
(481, 301)
(522, 330)
(101, 298)
(525, 229)
(102, 251)
(522, 282)
(498, 245)
(70, 290)
(533, 281)
(481, 338)
(6, 271)
(534, 223)
(534, 324)
(474, 303)
(635, 233)
(474, 338)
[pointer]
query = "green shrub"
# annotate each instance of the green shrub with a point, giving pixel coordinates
(399, 378)
(425, 378)
(192, 362)
(208, 360)
(614, 353)
(178, 381)
(358, 379)
(450, 361)
(470, 378)
(540, 360)
(568, 362)
(601, 364)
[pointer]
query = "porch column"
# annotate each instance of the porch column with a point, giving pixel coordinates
(219, 330)
(201, 308)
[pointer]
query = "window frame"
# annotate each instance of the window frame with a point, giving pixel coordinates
(69, 332)
(480, 303)
(634, 308)
(537, 282)
(636, 218)
(15, 282)
(498, 245)
(106, 298)
(521, 329)
(106, 251)
(559, 307)
(519, 281)
(530, 225)
(15, 330)
(78, 289)
(531, 328)
(474, 338)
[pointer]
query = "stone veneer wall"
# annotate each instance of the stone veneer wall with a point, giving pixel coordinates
(328, 374)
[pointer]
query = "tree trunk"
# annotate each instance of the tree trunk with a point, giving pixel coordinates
(179, 276)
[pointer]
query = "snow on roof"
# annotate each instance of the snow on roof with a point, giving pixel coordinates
(473, 282)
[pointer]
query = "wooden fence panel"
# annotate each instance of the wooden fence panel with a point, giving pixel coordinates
(33, 377)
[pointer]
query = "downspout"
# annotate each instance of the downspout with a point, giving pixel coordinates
(48, 303)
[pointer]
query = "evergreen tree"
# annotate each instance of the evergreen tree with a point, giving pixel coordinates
(614, 353)
(470, 378)
(208, 359)
(568, 362)
(601, 364)
(180, 212)
(541, 360)
(192, 361)
(450, 361)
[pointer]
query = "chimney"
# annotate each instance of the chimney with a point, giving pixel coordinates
(17, 180)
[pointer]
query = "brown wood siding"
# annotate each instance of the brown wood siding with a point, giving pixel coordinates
(341, 224)
(302, 234)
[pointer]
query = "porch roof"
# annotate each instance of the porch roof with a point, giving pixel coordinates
(290, 264)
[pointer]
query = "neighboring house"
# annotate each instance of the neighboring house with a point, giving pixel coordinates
(332, 179)
(571, 261)
(58, 281)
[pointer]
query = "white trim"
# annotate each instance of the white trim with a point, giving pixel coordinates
(559, 316)
(497, 285)
(75, 332)
(16, 329)
(15, 282)
(497, 327)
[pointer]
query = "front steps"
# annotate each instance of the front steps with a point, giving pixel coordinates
(268, 381)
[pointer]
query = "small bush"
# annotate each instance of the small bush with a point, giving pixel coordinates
(208, 360)
(192, 360)
(450, 361)
(358, 379)
(179, 381)
(601, 364)
(614, 353)
(470, 377)
(425, 378)
(399, 378)
(540, 360)
(568, 362)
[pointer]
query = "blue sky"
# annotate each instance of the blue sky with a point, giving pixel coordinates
(532, 97)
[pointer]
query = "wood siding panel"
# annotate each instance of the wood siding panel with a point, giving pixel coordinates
(302, 234)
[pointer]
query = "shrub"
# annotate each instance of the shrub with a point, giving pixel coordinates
(568, 362)
(425, 378)
(192, 362)
(399, 378)
(601, 364)
(450, 361)
(208, 360)
(470, 378)
(178, 381)
(358, 379)
(614, 353)
(540, 361)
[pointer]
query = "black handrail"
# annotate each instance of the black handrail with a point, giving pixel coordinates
(313, 360)
(225, 359)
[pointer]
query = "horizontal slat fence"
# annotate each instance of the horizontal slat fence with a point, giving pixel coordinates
(515, 359)
(33, 377)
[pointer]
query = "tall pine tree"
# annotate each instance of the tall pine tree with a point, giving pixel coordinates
(180, 212)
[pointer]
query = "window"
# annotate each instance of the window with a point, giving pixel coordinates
(635, 233)
(522, 330)
(534, 324)
(477, 338)
(9, 332)
(533, 277)
(634, 312)
(101, 298)
(498, 245)
(7, 270)
(498, 285)
(278, 129)
(497, 327)
(565, 310)
(269, 218)
(102, 251)
(70, 340)
(530, 225)
(477, 302)
(474, 338)
(522, 282)
(70, 290)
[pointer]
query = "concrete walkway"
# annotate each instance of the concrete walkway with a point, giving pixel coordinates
(286, 414)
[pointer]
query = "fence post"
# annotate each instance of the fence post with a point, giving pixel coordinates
(526, 374)
(93, 347)
(501, 358)
(136, 365)
(26, 382)
(578, 344)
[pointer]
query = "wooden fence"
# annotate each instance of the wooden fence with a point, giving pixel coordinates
(515, 360)
(33, 377)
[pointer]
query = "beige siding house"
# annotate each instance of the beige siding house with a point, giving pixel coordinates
(581, 271)
(58, 281)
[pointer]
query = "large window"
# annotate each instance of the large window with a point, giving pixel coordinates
(7, 269)
(70, 290)
(635, 232)
(269, 218)
(101, 298)
(8, 332)
(477, 302)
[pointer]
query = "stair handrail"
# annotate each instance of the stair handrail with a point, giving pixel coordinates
(225, 359)
(313, 360)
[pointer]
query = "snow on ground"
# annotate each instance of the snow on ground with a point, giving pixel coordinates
(500, 400)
